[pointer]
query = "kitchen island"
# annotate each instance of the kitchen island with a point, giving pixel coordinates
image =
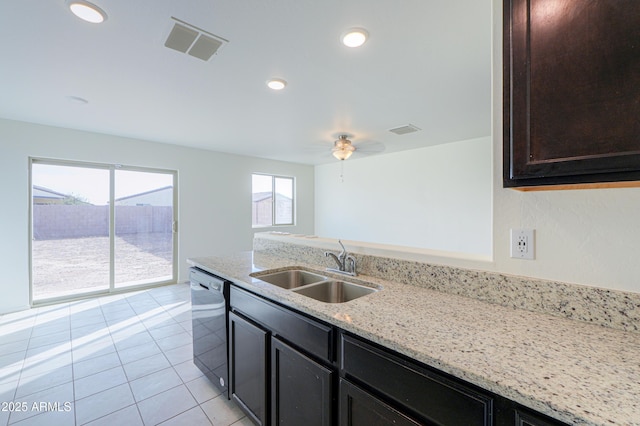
(570, 370)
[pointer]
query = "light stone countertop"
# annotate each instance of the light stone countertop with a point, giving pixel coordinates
(573, 371)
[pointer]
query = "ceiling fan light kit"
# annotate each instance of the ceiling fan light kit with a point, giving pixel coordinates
(342, 148)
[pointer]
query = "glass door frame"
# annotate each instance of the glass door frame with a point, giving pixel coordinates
(112, 235)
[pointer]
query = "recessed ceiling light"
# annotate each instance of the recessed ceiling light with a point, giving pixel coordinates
(355, 37)
(87, 11)
(276, 83)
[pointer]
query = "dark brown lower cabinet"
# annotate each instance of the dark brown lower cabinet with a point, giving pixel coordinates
(289, 369)
(422, 393)
(275, 381)
(381, 387)
(301, 389)
(360, 408)
(248, 368)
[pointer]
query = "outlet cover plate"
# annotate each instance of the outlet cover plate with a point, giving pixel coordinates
(522, 244)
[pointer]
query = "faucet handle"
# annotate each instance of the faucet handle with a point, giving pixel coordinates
(344, 251)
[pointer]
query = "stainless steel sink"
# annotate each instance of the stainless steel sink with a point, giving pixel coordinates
(314, 285)
(291, 278)
(334, 291)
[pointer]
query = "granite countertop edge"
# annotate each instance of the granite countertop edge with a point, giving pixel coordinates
(575, 372)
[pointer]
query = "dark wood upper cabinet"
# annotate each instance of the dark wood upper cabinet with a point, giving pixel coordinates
(571, 92)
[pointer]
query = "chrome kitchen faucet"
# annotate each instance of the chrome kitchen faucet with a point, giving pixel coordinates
(346, 262)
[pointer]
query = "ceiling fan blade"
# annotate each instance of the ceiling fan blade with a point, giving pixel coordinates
(369, 147)
(319, 150)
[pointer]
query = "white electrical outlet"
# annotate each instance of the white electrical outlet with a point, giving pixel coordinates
(522, 244)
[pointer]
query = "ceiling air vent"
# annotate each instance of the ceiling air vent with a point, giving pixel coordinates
(403, 130)
(197, 42)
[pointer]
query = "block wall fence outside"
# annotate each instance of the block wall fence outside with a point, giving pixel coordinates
(77, 221)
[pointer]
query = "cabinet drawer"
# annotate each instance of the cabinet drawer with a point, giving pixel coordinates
(307, 334)
(426, 393)
(524, 418)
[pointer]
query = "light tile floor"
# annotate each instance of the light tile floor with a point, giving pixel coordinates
(115, 360)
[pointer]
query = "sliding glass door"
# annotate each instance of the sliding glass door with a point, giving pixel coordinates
(143, 227)
(70, 230)
(98, 228)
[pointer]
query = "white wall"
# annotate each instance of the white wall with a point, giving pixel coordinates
(582, 236)
(214, 193)
(436, 198)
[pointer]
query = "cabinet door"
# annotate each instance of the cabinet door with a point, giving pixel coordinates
(301, 389)
(359, 408)
(248, 367)
(571, 90)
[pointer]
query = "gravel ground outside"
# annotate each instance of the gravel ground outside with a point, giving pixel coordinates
(72, 265)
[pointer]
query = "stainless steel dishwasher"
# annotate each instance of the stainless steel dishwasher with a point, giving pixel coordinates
(210, 312)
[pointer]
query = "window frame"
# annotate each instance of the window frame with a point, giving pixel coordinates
(111, 168)
(273, 200)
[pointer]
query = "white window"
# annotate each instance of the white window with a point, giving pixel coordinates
(273, 200)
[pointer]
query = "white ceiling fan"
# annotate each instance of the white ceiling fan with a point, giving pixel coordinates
(343, 147)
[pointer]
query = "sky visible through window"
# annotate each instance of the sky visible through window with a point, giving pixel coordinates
(264, 183)
(92, 184)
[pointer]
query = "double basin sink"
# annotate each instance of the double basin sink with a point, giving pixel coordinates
(315, 286)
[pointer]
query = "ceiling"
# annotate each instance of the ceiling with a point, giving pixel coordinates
(426, 63)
